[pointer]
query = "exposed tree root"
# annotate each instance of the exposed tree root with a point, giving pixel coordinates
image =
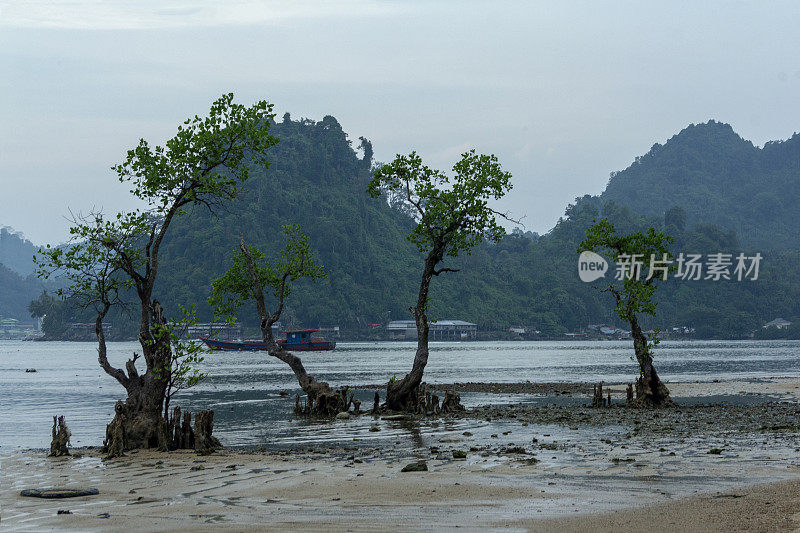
(174, 434)
(61, 435)
(423, 401)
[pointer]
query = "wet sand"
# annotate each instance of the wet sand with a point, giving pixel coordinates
(773, 507)
(557, 468)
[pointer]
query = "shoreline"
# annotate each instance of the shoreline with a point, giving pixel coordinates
(555, 467)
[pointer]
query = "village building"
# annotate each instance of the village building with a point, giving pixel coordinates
(441, 330)
(778, 323)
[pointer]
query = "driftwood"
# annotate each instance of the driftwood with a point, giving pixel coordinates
(61, 435)
(204, 442)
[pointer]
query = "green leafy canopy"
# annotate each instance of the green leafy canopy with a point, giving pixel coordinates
(450, 211)
(206, 160)
(633, 293)
(235, 287)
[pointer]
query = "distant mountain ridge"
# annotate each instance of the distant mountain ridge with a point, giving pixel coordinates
(318, 180)
(16, 252)
(718, 177)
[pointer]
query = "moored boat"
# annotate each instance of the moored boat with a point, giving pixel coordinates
(297, 340)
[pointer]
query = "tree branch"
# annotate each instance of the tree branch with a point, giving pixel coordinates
(439, 271)
(102, 358)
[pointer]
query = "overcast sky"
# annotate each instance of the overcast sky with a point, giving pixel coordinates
(562, 92)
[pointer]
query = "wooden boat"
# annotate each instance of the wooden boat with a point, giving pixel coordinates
(299, 340)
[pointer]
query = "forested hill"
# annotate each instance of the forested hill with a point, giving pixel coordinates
(316, 180)
(16, 252)
(18, 286)
(718, 177)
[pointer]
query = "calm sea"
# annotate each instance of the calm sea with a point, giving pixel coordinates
(243, 387)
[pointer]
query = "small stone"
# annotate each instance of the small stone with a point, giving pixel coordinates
(64, 511)
(374, 428)
(419, 466)
(344, 415)
(197, 467)
(459, 454)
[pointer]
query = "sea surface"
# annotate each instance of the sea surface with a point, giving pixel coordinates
(243, 388)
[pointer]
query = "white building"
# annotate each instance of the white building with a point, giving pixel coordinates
(441, 330)
(778, 323)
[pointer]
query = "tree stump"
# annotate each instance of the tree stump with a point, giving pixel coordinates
(173, 430)
(204, 442)
(61, 435)
(187, 433)
(433, 407)
(376, 405)
(298, 409)
(114, 443)
(356, 406)
(452, 402)
(629, 394)
(597, 396)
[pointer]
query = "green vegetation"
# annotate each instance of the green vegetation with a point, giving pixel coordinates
(644, 261)
(16, 252)
(203, 165)
(317, 180)
(250, 277)
(719, 178)
(453, 216)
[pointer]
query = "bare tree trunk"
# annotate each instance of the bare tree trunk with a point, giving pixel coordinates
(401, 395)
(322, 400)
(650, 391)
(404, 394)
(140, 416)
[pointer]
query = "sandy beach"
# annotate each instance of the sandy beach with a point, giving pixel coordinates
(559, 468)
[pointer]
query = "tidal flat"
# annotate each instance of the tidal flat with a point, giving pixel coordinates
(706, 465)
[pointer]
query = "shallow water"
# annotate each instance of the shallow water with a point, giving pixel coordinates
(243, 387)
